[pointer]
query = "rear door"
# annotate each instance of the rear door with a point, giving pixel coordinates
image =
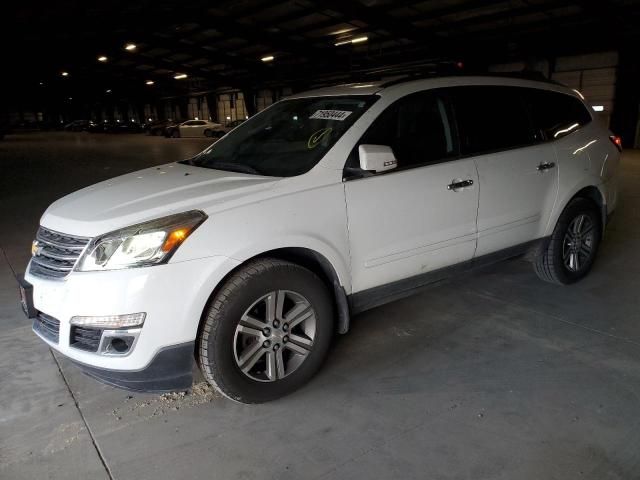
(406, 222)
(517, 170)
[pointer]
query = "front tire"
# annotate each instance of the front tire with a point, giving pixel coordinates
(573, 246)
(266, 332)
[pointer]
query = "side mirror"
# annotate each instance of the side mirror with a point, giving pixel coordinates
(376, 158)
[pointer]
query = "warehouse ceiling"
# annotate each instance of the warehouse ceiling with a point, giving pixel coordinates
(160, 48)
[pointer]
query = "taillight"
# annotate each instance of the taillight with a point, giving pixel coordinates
(617, 141)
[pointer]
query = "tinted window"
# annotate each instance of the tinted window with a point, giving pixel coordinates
(417, 129)
(491, 119)
(556, 114)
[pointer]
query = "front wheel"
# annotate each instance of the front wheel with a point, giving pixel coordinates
(266, 332)
(572, 249)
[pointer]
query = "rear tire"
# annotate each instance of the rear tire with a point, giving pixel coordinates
(175, 134)
(266, 332)
(208, 133)
(572, 248)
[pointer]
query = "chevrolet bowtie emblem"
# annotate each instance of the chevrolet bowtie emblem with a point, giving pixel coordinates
(35, 248)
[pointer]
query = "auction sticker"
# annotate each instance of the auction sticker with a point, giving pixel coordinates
(339, 115)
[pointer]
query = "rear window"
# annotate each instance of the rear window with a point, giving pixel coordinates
(556, 114)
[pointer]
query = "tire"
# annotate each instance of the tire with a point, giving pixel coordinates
(175, 134)
(208, 133)
(564, 260)
(224, 350)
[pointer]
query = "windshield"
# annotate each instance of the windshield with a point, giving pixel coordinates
(287, 139)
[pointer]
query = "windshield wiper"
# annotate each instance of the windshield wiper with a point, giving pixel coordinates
(233, 167)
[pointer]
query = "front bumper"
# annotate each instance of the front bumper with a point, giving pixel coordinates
(173, 296)
(171, 369)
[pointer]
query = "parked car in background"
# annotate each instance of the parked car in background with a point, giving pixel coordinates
(250, 255)
(78, 126)
(196, 128)
(158, 127)
(115, 127)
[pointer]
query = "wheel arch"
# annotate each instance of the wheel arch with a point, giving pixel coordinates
(594, 194)
(305, 257)
(590, 192)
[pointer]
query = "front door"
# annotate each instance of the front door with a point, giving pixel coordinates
(417, 218)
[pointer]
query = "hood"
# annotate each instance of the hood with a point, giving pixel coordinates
(148, 194)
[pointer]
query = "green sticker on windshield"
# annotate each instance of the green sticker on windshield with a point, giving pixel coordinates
(317, 137)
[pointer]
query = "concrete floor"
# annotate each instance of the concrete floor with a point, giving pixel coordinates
(495, 375)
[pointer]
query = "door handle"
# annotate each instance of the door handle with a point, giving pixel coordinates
(460, 184)
(546, 166)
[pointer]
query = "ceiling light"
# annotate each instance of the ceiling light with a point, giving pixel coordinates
(65, 74)
(108, 91)
(130, 47)
(102, 58)
(343, 31)
(351, 40)
(268, 58)
(149, 82)
(598, 108)
(180, 76)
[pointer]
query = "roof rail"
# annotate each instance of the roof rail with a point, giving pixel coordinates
(521, 75)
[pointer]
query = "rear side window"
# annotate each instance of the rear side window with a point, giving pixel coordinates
(416, 127)
(556, 114)
(491, 119)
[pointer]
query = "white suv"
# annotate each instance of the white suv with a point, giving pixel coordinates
(249, 256)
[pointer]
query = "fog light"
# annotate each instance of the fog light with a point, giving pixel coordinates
(120, 344)
(128, 320)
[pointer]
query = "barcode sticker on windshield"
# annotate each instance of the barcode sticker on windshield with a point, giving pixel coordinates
(339, 115)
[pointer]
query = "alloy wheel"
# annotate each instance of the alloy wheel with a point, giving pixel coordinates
(578, 243)
(274, 336)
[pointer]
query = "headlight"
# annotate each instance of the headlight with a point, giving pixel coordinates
(148, 243)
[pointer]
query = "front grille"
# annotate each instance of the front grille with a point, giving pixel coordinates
(87, 339)
(56, 253)
(47, 326)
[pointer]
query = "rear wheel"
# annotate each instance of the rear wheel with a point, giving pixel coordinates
(267, 331)
(208, 133)
(572, 249)
(175, 133)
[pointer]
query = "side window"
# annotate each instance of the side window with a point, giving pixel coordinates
(556, 114)
(189, 123)
(416, 127)
(491, 118)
